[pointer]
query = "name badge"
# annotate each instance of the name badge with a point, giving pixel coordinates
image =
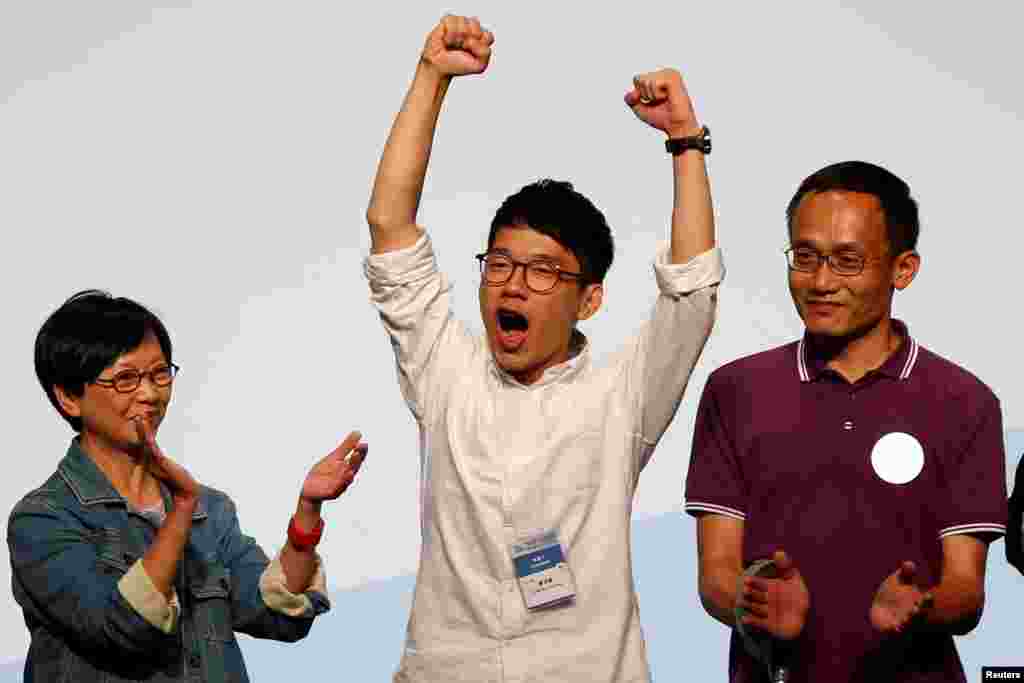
(545, 579)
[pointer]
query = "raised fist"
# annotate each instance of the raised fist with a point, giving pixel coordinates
(458, 46)
(660, 100)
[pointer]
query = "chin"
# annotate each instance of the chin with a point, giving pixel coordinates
(826, 330)
(514, 364)
(511, 363)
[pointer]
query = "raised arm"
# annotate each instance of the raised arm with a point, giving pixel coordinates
(687, 275)
(457, 46)
(660, 100)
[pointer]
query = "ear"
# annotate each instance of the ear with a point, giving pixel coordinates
(68, 403)
(590, 301)
(904, 269)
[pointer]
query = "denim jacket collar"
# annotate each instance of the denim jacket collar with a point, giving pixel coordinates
(92, 487)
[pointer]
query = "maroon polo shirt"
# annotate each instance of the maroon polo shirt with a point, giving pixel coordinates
(803, 458)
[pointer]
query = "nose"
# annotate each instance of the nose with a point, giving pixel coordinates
(516, 284)
(147, 389)
(824, 279)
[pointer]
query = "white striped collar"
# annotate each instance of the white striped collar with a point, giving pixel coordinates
(912, 347)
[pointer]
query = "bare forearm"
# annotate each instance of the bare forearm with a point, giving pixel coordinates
(403, 165)
(956, 608)
(161, 559)
(693, 220)
(299, 565)
(718, 594)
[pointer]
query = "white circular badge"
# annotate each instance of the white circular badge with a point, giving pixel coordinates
(897, 458)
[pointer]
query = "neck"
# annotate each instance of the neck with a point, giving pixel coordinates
(125, 469)
(857, 355)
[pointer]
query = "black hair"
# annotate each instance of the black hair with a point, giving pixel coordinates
(87, 334)
(900, 209)
(555, 209)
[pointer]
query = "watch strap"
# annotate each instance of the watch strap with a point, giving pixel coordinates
(700, 142)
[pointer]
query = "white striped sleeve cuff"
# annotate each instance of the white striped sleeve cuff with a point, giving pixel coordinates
(693, 507)
(977, 528)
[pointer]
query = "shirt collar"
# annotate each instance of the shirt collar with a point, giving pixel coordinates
(579, 358)
(898, 365)
(92, 487)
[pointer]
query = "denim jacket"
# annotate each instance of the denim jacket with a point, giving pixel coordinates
(71, 541)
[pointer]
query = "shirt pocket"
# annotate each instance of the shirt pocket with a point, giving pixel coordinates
(211, 604)
(113, 555)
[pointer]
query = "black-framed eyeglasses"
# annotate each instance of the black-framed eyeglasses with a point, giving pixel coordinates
(128, 381)
(845, 262)
(541, 275)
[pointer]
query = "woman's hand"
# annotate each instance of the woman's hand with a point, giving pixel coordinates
(329, 478)
(184, 489)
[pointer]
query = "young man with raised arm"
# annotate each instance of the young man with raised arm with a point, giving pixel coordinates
(529, 454)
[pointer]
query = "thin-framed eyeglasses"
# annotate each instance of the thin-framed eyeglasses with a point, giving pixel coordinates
(845, 262)
(541, 275)
(127, 381)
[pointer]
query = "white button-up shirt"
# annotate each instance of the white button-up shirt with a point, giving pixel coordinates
(501, 460)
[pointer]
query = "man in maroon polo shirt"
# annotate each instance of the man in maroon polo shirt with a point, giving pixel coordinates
(868, 468)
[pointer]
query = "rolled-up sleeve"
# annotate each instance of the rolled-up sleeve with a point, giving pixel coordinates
(276, 596)
(414, 302)
(138, 589)
(668, 346)
(261, 605)
(63, 578)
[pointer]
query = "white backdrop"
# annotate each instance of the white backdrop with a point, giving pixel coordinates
(213, 160)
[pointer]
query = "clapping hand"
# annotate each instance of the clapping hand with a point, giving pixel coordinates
(329, 478)
(179, 482)
(898, 600)
(777, 605)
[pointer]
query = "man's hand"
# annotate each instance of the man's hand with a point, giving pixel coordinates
(778, 606)
(660, 100)
(898, 600)
(458, 46)
(329, 478)
(183, 488)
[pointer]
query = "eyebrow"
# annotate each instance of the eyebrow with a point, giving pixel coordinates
(125, 365)
(531, 257)
(839, 246)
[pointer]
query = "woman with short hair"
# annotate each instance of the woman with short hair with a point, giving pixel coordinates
(126, 568)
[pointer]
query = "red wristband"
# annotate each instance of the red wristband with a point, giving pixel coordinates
(304, 540)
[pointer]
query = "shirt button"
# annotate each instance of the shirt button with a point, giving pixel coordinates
(848, 425)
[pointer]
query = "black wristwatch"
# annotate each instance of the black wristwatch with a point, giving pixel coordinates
(700, 142)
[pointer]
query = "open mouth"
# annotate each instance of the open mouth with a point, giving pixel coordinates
(512, 328)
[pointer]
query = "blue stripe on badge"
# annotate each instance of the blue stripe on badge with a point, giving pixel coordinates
(539, 560)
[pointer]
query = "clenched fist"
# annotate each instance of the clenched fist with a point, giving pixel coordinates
(660, 100)
(458, 46)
